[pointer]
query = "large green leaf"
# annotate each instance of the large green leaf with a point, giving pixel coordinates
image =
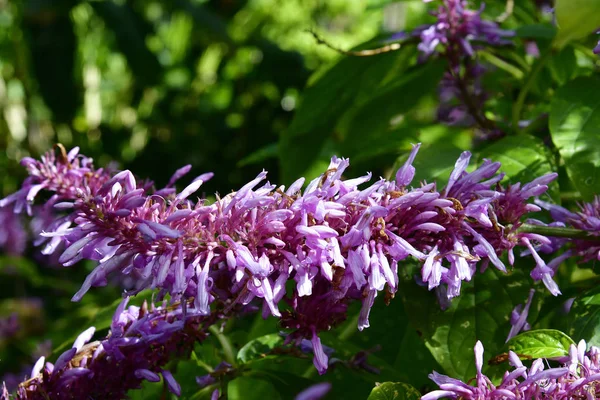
(394, 391)
(349, 83)
(378, 125)
(585, 318)
(523, 158)
(481, 312)
(575, 130)
(576, 19)
(541, 343)
(259, 347)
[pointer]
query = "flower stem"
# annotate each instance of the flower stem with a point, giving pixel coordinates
(555, 231)
(529, 80)
(228, 351)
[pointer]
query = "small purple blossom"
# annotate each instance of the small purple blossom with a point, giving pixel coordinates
(518, 317)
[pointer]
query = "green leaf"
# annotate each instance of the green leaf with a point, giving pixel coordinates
(541, 343)
(376, 126)
(259, 347)
(575, 130)
(347, 84)
(585, 318)
(536, 31)
(130, 31)
(245, 388)
(394, 391)
(481, 312)
(575, 19)
(523, 158)
(258, 156)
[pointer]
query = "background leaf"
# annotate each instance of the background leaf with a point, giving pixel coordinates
(481, 312)
(585, 318)
(394, 391)
(575, 130)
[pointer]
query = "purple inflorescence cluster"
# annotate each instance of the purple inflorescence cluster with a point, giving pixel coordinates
(336, 242)
(141, 341)
(578, 377)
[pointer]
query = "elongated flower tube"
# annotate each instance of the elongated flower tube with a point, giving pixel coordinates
(141, 341)
(335, 241)
(578, 377)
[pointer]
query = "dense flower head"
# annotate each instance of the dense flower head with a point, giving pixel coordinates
(335, 241)
(141, 341)
(577, 377)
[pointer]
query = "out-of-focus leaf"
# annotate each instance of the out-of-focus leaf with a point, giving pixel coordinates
(523, 159)
(585, 318)
(259, 347)
(21, 266)
(269, 151)
(575, 130)
(347, 84)
(129, 30)
(575, 19)
(541, 343)
(563, 65)
(52, 44)
(371, 127)
(479, 313)
(434, 162)
(536, 31)
(394, 391)
(245, 388)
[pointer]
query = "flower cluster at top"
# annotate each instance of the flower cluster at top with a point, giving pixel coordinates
(458, 29)
(578, 377)
(337, 242)
(456, 35)
(141, 341)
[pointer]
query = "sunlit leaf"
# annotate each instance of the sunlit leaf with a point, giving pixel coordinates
(394, 391)
(575, 130)
(541, 343)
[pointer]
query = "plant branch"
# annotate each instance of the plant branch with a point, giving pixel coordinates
(554, 231)
(529, 80)
(360, 53)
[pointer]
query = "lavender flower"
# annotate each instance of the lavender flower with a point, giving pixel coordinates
(141, 341)
(13, 238)
(315, 392)
(578, 377)
(336, 242)
(518, 318)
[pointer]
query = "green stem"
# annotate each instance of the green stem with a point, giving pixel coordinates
(529, 80)
(555, 231)
(228, 351)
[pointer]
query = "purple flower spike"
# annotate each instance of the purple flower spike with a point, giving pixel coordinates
(337, 241)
